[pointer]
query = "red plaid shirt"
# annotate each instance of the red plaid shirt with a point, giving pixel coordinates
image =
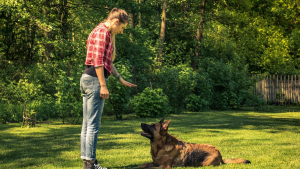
(99, 48)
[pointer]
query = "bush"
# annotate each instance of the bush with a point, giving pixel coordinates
(68, 95)
(225, 69)
(258, 103)
(230, 84)
(196, 103)
(10, 113)
(45, 108)
(119, 95)
(176, 83)
(180, 82)
(150, 103)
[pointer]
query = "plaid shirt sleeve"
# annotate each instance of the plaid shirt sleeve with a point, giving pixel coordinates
(96, 46)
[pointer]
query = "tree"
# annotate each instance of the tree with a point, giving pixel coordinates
(199, 35)
(162, 30)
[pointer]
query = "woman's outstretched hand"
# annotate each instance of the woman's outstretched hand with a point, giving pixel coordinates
(127, 83)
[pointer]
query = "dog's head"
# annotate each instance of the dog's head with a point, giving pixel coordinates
(156, 130)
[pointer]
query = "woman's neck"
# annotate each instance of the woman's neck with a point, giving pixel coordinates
(108, 25)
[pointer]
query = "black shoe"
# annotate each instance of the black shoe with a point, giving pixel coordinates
(95, 165)
(85, 165)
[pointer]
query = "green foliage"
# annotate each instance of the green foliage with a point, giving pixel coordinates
(239, 38)
(177, 83)
(196, 103)
(295, 46)
(258, 103)
(10, 113)
(225, 70)
(119, 94)
(45, 108)
(150, 103)
(68, 95)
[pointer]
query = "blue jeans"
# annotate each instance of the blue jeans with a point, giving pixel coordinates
(92, 111)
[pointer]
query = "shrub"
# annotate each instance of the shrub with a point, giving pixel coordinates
(68, 95)
(230, 84)
(258, 103)
(119, 95)
(225, 69)
(150, 103)
(45, 108)
(10, 113)
(176, 83)
(196, 103)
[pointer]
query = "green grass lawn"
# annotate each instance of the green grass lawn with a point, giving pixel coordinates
(268, 140)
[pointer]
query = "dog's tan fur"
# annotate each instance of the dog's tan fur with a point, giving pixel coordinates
(167, 151)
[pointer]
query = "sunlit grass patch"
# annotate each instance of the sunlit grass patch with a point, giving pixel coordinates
(267, 139)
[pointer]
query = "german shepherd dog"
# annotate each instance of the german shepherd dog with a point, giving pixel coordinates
(167, 151)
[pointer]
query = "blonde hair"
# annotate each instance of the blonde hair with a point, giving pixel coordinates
(122, 16)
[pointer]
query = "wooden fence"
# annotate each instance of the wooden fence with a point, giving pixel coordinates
(280, 89)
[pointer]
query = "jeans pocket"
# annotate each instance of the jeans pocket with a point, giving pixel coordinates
(87, 85)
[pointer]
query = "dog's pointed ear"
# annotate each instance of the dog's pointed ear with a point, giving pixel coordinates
(166, 125)
(162, 120)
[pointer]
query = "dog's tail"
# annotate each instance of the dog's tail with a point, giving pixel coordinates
(236, 161)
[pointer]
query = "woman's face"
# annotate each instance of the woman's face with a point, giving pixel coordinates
(118, 27)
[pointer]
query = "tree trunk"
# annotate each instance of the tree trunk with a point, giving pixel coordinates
(46, 33)
(163, 30)
(140, 14)
(65, 14)
(185, 8)
(199, 35)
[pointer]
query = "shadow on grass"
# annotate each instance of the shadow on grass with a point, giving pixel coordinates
(27, 148)
(46, 144)
(234, 120)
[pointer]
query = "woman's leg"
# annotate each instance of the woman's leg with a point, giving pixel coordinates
(93, 107)
(83, 87)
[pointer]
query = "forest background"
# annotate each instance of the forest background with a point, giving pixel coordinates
(183, 54)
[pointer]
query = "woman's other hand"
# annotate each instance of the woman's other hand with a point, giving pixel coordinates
(127, 83)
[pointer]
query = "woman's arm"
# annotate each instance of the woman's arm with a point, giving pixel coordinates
(115, 73)
(103, 89)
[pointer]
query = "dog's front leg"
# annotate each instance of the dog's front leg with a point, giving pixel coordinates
(146, 165)
(165, 165)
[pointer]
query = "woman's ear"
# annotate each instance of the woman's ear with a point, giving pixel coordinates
(116, 21)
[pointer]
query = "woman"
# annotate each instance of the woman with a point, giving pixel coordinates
(101, 52)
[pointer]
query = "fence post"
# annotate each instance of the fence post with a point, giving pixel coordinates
(271, 88)
(280, 89)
